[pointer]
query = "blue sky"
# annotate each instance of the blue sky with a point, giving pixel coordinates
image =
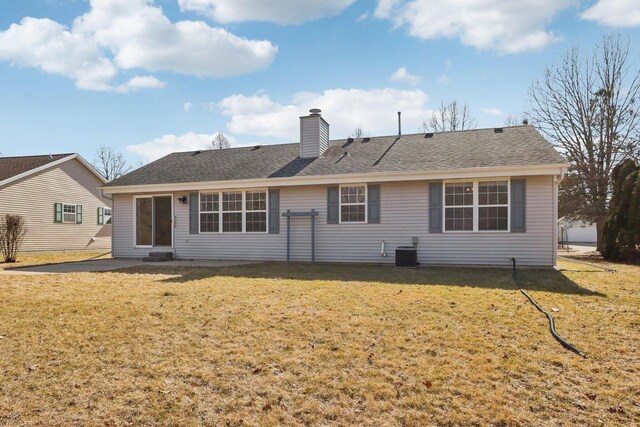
(148, 77)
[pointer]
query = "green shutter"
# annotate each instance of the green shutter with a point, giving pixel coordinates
(57, 212)
(100, 216)
(78, 214)
(435, 207)
(333, 205)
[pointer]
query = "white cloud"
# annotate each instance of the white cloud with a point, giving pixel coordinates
(187, 106)
(443, 80)
(492, 111)
(363, 17)
(505, 26)
(140, 82)
(118, 35)
(614, 13)
(47, 45)
(344, 109)
(402, 75)
(167, 144)
(281, 12)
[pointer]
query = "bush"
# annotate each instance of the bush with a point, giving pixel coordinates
(12, 232)
(621, 233)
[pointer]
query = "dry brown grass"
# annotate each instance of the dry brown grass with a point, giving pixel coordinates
(39, 258)
(300, 344)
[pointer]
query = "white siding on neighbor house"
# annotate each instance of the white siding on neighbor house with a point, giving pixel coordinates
(34, 197)
(404, 215)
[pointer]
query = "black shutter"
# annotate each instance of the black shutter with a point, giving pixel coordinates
(435, 207)
(194, 201)
(57, 212)
(373, 204)
(274, 211)
(333, 205)
(518, 206)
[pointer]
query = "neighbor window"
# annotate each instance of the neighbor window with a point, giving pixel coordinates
(107, 215)
(232, 212)
(353, 203)
(256, 215)
(68, 213)
(476, 206)
(209, 212)
(458, 206)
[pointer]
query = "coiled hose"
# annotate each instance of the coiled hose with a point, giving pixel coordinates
(552, 324)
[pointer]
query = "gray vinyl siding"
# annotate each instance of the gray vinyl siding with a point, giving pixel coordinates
(34, 196)
(404, 213)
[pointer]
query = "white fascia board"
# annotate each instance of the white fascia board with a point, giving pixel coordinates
(557, 169)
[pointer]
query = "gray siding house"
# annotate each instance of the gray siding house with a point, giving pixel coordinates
(59, 197)
(471, 197)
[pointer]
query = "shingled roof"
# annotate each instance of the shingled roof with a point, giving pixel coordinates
(513, 146)
(13, 166)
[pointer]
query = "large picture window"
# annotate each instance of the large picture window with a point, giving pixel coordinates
(233, 211)
(476, 205)
(353, 203)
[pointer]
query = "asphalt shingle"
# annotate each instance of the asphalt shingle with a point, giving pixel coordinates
(12, 166)
(514, 146)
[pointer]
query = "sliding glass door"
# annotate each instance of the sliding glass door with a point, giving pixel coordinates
(154, 220)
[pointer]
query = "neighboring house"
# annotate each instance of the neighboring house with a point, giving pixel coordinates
(466, 197)
(576, 231)
(59, 197)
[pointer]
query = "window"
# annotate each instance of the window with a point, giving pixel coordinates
(353, 203)
(458, 206)
(68, 213)
(256, 216)
(476, 206)
(107, 215)
(232, 212)
(493, 202)
(209, 212)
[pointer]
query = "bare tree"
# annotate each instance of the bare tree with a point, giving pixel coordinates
(220, 141)
(450, 116)
(12, 232)
(587, 106)
(110, 163)
(515, 120)
(358, 132)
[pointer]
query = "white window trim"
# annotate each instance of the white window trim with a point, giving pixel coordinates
(75, 213)
(173, 223)
(476, 205)
(244, 211)
(366, 203)
(265, 210)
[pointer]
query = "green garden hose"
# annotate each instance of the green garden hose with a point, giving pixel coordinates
(552, 324)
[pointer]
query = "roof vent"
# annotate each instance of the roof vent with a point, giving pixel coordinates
(497, 130)
(257, 147)
(428, 135)
(315, 111)
(195, 153)
(367, 139)
(525, 122)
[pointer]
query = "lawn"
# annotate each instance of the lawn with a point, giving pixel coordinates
(301, 344)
